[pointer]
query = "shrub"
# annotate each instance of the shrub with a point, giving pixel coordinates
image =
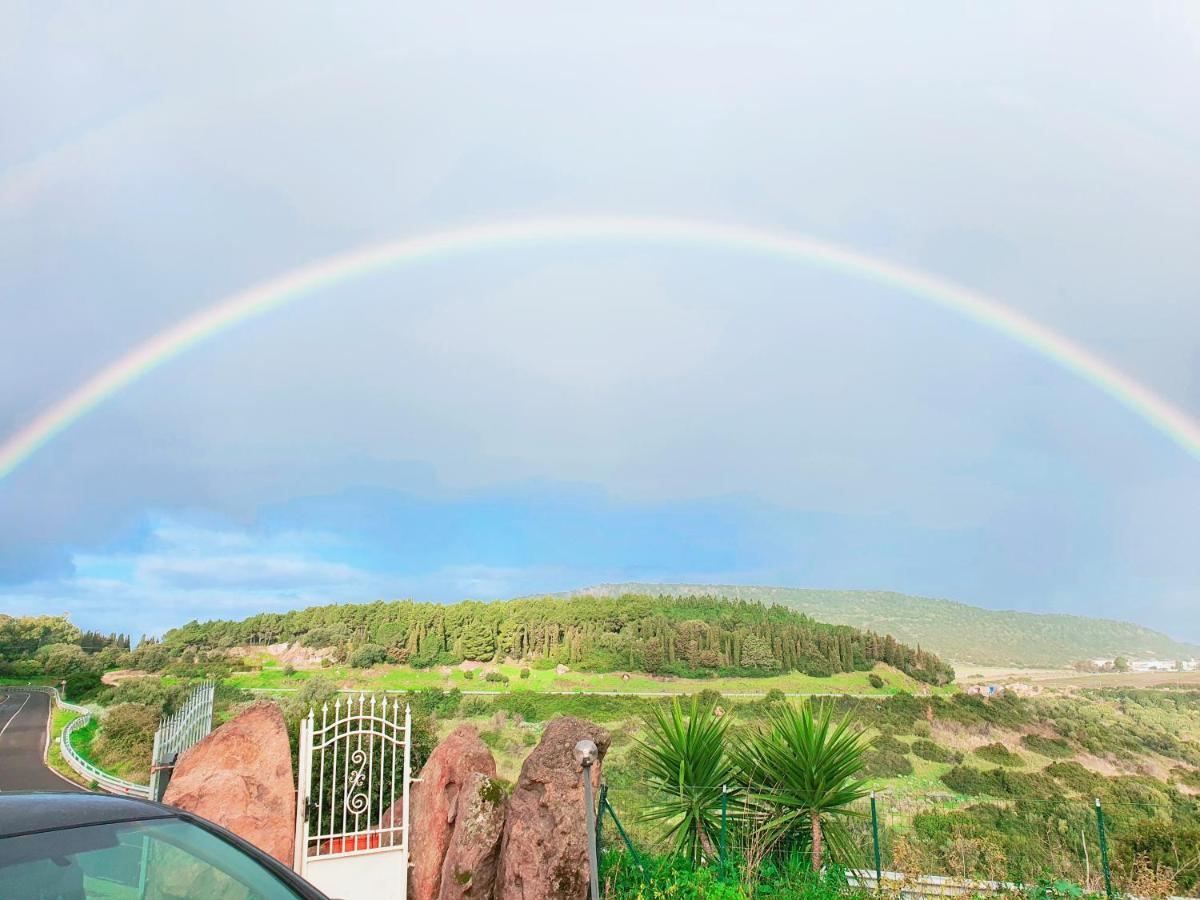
(367, 655)
(496, 677)
(525, 672)
(875, 680)
(928, 750)
(125, 739)
(1000, 783)
(469, 674)
(886, 743)
(1055, 748)
(1000, 755)
(886, 764)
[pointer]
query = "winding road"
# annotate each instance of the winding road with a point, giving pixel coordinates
(24, 730)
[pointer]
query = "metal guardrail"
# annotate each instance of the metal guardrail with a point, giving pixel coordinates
(91, 772)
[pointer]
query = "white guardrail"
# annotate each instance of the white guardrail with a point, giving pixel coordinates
(92, 773)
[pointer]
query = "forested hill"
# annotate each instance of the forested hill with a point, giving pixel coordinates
(670, 635)
(955, 631)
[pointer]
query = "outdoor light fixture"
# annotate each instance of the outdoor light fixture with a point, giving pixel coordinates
(586, 754)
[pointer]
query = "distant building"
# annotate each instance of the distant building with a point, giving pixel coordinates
(985, 690)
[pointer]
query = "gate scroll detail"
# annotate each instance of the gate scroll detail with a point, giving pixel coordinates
(352, 827)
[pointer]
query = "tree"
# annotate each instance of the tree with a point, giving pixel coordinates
(1121, 664)
(478, 642)
(685, 767)
(756, 653)
(802, 773)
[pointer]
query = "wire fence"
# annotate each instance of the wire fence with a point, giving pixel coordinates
(946, 843)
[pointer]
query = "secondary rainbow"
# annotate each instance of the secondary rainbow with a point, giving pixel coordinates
(542, 233)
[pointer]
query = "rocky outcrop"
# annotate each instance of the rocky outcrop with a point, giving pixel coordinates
(240, 777)
(434, 805)
(543, 853)
(469, 870)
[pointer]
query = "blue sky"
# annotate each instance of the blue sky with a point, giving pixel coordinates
(542, 419)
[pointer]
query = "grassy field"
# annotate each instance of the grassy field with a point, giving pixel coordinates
(274, 677)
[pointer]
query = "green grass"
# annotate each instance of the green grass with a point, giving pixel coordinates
(54, 757)
(548, 681)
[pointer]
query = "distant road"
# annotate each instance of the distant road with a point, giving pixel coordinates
(24, 730)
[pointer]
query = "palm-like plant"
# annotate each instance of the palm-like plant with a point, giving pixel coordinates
(801, 775)
(685, 763)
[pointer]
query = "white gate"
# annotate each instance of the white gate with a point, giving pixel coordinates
(354, 766)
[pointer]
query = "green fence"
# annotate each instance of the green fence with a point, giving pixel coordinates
(1000, 845)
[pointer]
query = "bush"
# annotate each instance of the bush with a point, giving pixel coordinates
(875, 680)
(525, 672)
(496, 677)
(1055, 748)
(125, 739)
(1000, 755)
(1000, 783)
(469, 674)
(367, 655)
(886, 764)
(928, 750)
(886, 743)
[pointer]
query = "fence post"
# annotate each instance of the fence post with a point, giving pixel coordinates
(1108, 888)
(600, 828)
(875, 840)
(724, 818)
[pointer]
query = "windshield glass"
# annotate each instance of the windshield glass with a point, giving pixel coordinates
(154, 860)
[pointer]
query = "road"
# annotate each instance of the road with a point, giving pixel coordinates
(24, 718)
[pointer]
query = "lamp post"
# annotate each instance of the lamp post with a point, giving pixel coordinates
(586, 754)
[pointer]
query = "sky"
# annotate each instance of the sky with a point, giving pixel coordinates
(541, 418)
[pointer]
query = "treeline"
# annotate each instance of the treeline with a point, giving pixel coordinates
(24, 637)
(669, 635)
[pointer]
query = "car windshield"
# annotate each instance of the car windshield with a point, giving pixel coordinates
(150, 860)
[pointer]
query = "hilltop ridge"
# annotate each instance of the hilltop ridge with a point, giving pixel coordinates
(952, 630)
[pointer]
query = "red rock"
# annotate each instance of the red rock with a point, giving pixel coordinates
(471, 858)
(240, 777)
(543, 853)
(434, 804)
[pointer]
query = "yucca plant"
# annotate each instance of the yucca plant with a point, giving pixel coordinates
(685, 765)
(800, 776)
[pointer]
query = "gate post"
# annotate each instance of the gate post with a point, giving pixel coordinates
(404, 846)
(303, 788)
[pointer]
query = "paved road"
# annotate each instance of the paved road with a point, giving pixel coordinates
(23, 720)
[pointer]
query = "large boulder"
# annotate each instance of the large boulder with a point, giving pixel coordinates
(434, 805)
(543, 853)
(240, 777)
(471, 858)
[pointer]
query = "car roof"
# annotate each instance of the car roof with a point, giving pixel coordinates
(33, 811)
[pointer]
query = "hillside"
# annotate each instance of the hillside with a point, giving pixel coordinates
(683, 636)
(952, 630)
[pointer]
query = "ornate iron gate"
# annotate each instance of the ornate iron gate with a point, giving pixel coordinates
(183, 729)
(355, 768)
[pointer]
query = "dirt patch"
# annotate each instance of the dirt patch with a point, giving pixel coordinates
(120, 675)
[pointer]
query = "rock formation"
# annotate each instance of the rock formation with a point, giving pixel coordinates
(434, 805)
(469, 870)
(543, 853)
(240, 777)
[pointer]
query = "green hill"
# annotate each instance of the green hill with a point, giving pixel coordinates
(952, 630)
(688, 636)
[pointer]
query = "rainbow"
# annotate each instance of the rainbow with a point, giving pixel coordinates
(291, 286)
